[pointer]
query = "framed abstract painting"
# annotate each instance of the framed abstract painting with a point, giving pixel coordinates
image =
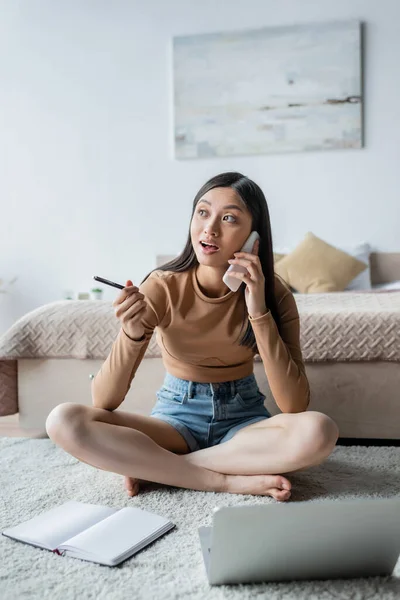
(268, 90)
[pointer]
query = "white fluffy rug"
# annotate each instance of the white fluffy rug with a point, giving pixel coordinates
(35, 475)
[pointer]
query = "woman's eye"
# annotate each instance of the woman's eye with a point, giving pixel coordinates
(234, 220)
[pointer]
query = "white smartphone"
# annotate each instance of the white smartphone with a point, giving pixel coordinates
(233, 283)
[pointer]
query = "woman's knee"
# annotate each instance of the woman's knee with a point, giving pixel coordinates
(322, 431)
(65, 422)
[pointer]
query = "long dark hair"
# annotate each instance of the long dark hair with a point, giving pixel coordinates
(255, 201)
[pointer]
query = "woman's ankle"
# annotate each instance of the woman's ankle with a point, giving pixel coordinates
(211, 481)
(221, 482)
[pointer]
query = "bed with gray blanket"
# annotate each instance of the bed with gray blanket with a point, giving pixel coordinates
(350, 343)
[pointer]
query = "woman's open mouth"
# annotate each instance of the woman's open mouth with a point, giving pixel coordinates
(208, 248)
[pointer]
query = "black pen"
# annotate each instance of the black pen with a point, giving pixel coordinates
(108, 282)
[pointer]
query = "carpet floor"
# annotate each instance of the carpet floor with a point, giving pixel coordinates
(36, 475)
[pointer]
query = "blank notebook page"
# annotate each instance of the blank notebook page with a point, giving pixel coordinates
(118, 533)
(60, 523)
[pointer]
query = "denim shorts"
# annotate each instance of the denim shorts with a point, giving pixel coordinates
(206, 414)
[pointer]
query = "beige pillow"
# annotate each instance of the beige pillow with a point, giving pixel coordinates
(315, 266)
(278, 256)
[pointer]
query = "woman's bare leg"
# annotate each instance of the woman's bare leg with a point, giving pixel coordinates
(89, 434)
(284, 443)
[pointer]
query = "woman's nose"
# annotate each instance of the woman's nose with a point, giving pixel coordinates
(211, 230)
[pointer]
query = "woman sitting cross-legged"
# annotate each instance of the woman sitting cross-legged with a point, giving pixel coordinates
(209, 429)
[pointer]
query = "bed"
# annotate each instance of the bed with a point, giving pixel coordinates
(350, 343)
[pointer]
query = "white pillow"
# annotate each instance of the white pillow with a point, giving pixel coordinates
(363, 280)
(360, 251)
(391, 285)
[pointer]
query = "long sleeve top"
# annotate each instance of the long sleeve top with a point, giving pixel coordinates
(199, 341)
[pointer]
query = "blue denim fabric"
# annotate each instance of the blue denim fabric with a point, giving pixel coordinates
(206, 414)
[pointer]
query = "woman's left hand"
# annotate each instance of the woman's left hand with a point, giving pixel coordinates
(254, 280)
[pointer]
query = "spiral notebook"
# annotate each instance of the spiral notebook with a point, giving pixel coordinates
(92, 532)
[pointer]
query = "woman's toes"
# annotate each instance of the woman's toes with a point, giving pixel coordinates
(128, 482)
(135, 489)
(281, 495)
(132, 485)
(283, 483)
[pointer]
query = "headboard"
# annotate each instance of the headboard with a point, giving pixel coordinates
(385, 266)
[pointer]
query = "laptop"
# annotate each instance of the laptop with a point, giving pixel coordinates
(303, 540)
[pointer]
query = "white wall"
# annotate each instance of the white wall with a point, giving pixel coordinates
(88, 183)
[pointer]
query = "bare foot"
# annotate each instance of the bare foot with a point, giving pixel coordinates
(132, 485)
(257, 485)
(260, 485)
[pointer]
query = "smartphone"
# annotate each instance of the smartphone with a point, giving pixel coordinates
(234, 283)
(108, 282)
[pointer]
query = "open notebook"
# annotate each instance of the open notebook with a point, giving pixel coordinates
(91, 532)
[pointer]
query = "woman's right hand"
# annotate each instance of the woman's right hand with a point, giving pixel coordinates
(129, 306)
